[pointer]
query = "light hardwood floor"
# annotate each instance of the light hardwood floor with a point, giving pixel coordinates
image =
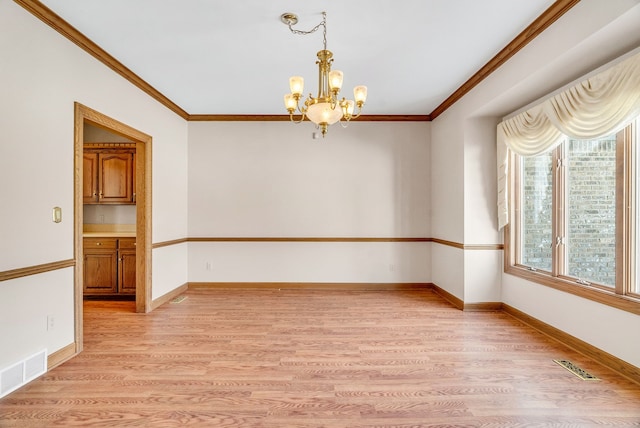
(303, 358)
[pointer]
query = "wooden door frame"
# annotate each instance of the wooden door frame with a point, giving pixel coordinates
(82, 115)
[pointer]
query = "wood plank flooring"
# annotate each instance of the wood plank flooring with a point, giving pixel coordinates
(304, 358)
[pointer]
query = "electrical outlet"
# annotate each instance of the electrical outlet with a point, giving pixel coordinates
(208, 265)
(51, 322)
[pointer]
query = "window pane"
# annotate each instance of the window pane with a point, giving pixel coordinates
(591, 240)
(536, 205)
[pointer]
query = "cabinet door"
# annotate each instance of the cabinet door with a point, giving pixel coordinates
(115, 178)
(100, 265)
(100, 270)
(127, 271)
(90, 178)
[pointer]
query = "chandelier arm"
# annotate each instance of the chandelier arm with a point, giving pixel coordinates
(296, 121)
(355, 116)
(303, 113)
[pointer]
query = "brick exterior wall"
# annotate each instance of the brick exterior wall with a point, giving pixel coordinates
(536, 209)
(591, 197)
(592, 210)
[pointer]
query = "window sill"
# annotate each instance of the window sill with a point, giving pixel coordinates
(625, 303)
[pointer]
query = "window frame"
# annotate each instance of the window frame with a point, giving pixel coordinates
(623, 295)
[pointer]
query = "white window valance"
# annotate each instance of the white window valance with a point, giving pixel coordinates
(597, 106)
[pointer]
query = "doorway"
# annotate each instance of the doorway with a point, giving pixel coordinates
(85, 115)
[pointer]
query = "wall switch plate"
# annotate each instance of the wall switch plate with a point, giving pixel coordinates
(57, 214)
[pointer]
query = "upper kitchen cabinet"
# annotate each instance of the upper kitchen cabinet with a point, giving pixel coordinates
(109, 176)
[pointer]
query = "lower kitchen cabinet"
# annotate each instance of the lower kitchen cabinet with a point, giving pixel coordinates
(127, 266)
(109, 266)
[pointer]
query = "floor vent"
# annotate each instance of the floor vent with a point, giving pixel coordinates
(22, 372)
(178, 299)
(576, 370)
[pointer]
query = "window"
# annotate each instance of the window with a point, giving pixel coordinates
(574, 218)
(536, 204)
(590, 237)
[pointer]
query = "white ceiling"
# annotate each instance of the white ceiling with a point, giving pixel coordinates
(235, 57)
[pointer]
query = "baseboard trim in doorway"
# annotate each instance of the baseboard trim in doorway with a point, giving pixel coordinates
(61, 355)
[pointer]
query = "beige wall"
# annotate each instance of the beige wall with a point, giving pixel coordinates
(272, 179)
(591, 34)
(43, 74)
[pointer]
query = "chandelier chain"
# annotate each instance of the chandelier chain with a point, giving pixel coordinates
(322, 24)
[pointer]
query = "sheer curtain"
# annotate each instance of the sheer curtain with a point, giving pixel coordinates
(595, 107)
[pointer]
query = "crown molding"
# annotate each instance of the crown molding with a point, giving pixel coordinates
(50, 18)
(46, 15)
(548, 17)
(286, 118)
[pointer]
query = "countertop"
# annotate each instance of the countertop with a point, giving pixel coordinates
(109, 231)
(108, 234)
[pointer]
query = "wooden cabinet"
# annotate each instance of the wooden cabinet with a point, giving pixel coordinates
(127, 265)
(108, 176)
(109, 266)
(90, 177)
(100, 265)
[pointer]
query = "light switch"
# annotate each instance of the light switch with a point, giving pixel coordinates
(57, 214)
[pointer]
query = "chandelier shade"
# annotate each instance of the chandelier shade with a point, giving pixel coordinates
(324, 113)
(296, 84)
(326, 108)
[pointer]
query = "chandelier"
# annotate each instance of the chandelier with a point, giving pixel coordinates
(325, 109)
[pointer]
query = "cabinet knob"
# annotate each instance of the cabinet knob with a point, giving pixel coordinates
(98, 243)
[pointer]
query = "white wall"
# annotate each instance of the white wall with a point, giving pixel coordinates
(25, 305)
(447, 180)
(271, 179)
(169, 269)
(589, 35)
(43, 74)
